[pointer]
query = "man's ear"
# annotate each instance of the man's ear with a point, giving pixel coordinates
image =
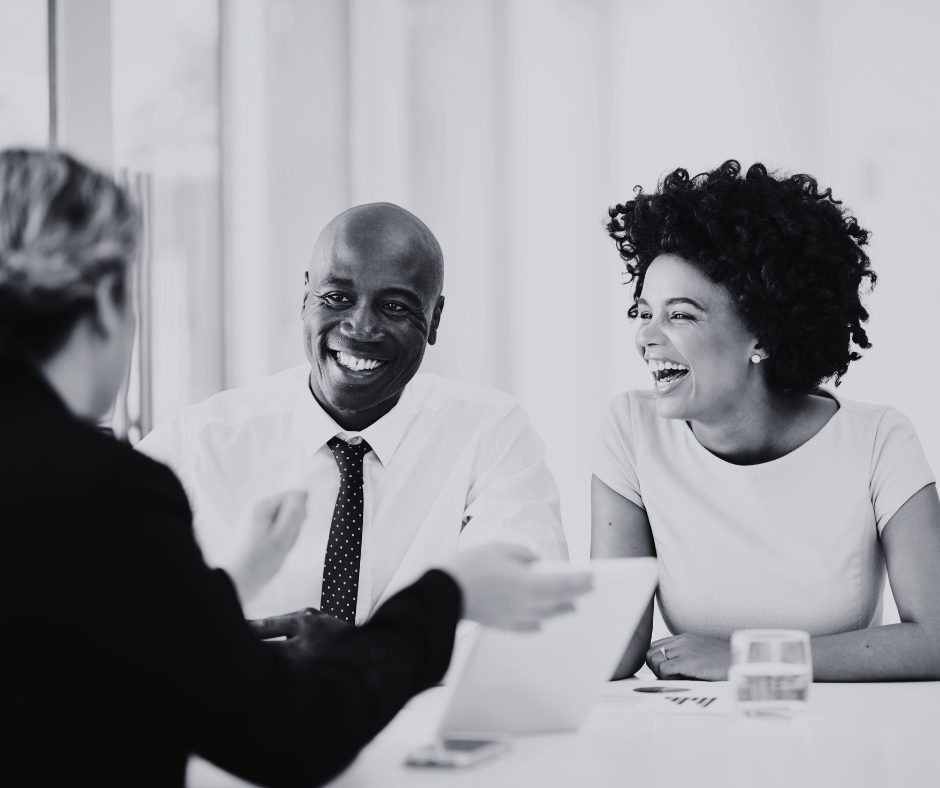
(436, 320)
(303, 306)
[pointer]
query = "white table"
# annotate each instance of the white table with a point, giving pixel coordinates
(853, 735)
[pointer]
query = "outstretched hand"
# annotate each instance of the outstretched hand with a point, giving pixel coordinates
(500, 588)
(309, 633)
(264, 540)
(690, 657)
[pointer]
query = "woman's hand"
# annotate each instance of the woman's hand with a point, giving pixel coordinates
(501, 590)
(264, 540)
(690, 657)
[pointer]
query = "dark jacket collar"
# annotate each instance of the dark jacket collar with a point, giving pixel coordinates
(22, 383)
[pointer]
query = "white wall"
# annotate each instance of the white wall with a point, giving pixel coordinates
(880, 125)
(511, 126)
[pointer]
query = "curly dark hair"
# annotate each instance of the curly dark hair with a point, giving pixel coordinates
(789, 254)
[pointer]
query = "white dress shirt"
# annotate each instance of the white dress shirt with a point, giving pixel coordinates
(453, 463)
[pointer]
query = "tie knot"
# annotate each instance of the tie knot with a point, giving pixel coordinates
(344, 451)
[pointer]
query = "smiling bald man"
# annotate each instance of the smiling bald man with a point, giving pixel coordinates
(401, 469)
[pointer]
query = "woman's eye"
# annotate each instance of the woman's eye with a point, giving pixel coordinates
(645, 315)
(681, 316)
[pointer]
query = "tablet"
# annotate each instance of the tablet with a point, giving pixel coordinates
(535, 682)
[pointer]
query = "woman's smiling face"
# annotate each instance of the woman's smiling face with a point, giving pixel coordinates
(696, 346)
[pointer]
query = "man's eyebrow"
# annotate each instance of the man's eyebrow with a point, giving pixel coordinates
(401, 292)
(674, 301)
(337, 281)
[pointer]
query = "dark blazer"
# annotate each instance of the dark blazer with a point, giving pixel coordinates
(121, 652)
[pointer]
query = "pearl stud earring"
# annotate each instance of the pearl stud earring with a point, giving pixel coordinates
(756, 359)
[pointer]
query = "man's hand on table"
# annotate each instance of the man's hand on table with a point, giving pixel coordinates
(309, 633)
(690, 657)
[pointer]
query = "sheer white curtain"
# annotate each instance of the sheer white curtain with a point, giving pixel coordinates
(24, 96)
(165, 108)
(510, 126)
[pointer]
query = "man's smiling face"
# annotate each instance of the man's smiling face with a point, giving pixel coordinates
(371, 306)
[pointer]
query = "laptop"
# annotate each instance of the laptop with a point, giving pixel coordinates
(536, 682)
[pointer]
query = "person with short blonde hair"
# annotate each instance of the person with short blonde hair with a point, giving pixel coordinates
(122, 651)
(62, 228)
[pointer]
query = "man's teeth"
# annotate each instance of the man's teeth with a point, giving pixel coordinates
(354, 362)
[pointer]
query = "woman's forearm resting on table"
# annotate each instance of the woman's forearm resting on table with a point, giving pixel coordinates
(909, 650)
(897, 652)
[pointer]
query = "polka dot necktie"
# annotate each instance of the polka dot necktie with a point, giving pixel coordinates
(344, 549)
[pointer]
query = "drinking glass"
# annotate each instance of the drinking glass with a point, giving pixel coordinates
(771, 670)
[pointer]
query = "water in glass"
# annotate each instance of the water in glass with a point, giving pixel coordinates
(771, 671)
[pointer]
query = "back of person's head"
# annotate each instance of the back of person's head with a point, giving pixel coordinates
(63, 226)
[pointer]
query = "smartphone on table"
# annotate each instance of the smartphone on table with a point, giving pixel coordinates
(456, 750)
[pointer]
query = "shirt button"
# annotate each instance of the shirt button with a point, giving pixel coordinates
(355, 440)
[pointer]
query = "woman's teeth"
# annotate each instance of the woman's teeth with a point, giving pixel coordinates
(353, 362)
(666, 371)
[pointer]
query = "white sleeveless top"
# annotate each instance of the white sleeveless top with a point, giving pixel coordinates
(791, 544)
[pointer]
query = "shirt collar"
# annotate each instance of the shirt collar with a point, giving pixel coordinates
(317, 427)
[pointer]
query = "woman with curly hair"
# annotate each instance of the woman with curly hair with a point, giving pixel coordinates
(769, 501)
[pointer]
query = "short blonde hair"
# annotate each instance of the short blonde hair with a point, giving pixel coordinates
(63, 225)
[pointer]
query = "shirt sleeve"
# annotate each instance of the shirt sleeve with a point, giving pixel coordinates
(180, 642)
(167, 444)
(614, 457)
(899, 467)
(513, 496)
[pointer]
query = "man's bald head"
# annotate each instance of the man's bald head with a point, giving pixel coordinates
(386, 231)
(372, 305)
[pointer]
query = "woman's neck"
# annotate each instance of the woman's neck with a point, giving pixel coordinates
(765, 428)
(73, 372)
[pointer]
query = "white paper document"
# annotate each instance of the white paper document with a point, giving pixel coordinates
(530, 682)
(684, 698)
